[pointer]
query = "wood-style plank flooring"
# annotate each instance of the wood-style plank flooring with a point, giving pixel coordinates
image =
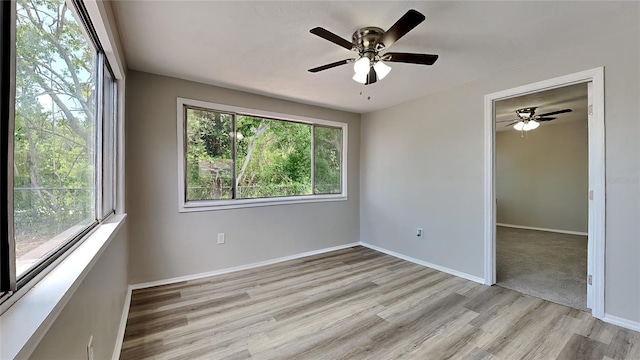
(359, 304)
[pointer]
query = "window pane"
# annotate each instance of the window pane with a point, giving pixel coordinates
(273, 158)
(327, 160)
(209, 160)
(54, 130)
(108, 143)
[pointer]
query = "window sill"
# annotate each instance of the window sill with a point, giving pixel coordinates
(36, 306)
(193, 206)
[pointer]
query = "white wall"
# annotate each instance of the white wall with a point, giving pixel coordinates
(166, 244)
(422, 165)
(542, 178)
(94, 309)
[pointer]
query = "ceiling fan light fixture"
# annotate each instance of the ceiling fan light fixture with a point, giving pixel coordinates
(530, 125)
(361, 67)
(381, 69)
(361, 78)
(526, 125)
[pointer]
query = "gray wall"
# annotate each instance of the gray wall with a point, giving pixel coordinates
(542, 180)
(94, 309)
(422, 165)
(166, 244)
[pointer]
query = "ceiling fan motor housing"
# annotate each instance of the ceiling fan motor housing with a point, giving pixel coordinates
(366, 41)
(526, 113)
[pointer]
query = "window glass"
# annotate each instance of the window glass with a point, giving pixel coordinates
(54, 182)
(327, 160)
(273, 158)
(230, 155)
(209, 161)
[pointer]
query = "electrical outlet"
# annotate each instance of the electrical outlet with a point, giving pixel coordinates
(220, 238)
(90, 348)
(420, 233)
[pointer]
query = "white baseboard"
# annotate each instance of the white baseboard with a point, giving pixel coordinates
(123, 325)
(238, 268)
(424, 263)
(543, 229)
(628, 324)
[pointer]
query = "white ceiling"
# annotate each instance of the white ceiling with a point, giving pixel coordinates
(572, 97)
(265, 47)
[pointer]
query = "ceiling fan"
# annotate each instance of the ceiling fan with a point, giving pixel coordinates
(528, 120)
(367, 42)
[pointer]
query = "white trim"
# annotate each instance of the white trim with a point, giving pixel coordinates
(110, 40)
(543, 229)
(26, 322)
(596, 175)
(109, 37)
(120, 147)
(590, 244)
(123, 325)
(597, 178)
(425, 263)
(208, 205)
(239, 268)
(490, 214)
(193, 206)
(615, 320)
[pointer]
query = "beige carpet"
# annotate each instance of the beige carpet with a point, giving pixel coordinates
(547, 265)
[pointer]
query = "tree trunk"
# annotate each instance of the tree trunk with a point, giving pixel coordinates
(261, 128)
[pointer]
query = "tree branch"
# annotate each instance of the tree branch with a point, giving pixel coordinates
(261, 128)
(70, 117)
(63, 54)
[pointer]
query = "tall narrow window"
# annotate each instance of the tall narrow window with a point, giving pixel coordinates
(328, 160)
(55, 117)
(209, 149)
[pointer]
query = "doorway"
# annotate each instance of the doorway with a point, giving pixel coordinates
(594, 80)
(541, 192)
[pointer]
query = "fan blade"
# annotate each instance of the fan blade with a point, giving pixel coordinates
(329, 66)
(411, 58)
(406, 23)
(328, 35)
(498, 122)
(556, 112)
(544, 118)
(513, 123)
(372, 77)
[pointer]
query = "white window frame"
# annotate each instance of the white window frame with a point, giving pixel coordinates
(208, 205)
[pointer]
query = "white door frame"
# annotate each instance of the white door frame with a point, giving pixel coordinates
(596, 251)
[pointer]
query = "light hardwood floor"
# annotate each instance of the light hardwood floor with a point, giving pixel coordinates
(359, 304)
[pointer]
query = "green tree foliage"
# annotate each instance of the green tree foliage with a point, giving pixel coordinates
(209, 161)
(54, 121)
(328, 157)
(273, 157)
